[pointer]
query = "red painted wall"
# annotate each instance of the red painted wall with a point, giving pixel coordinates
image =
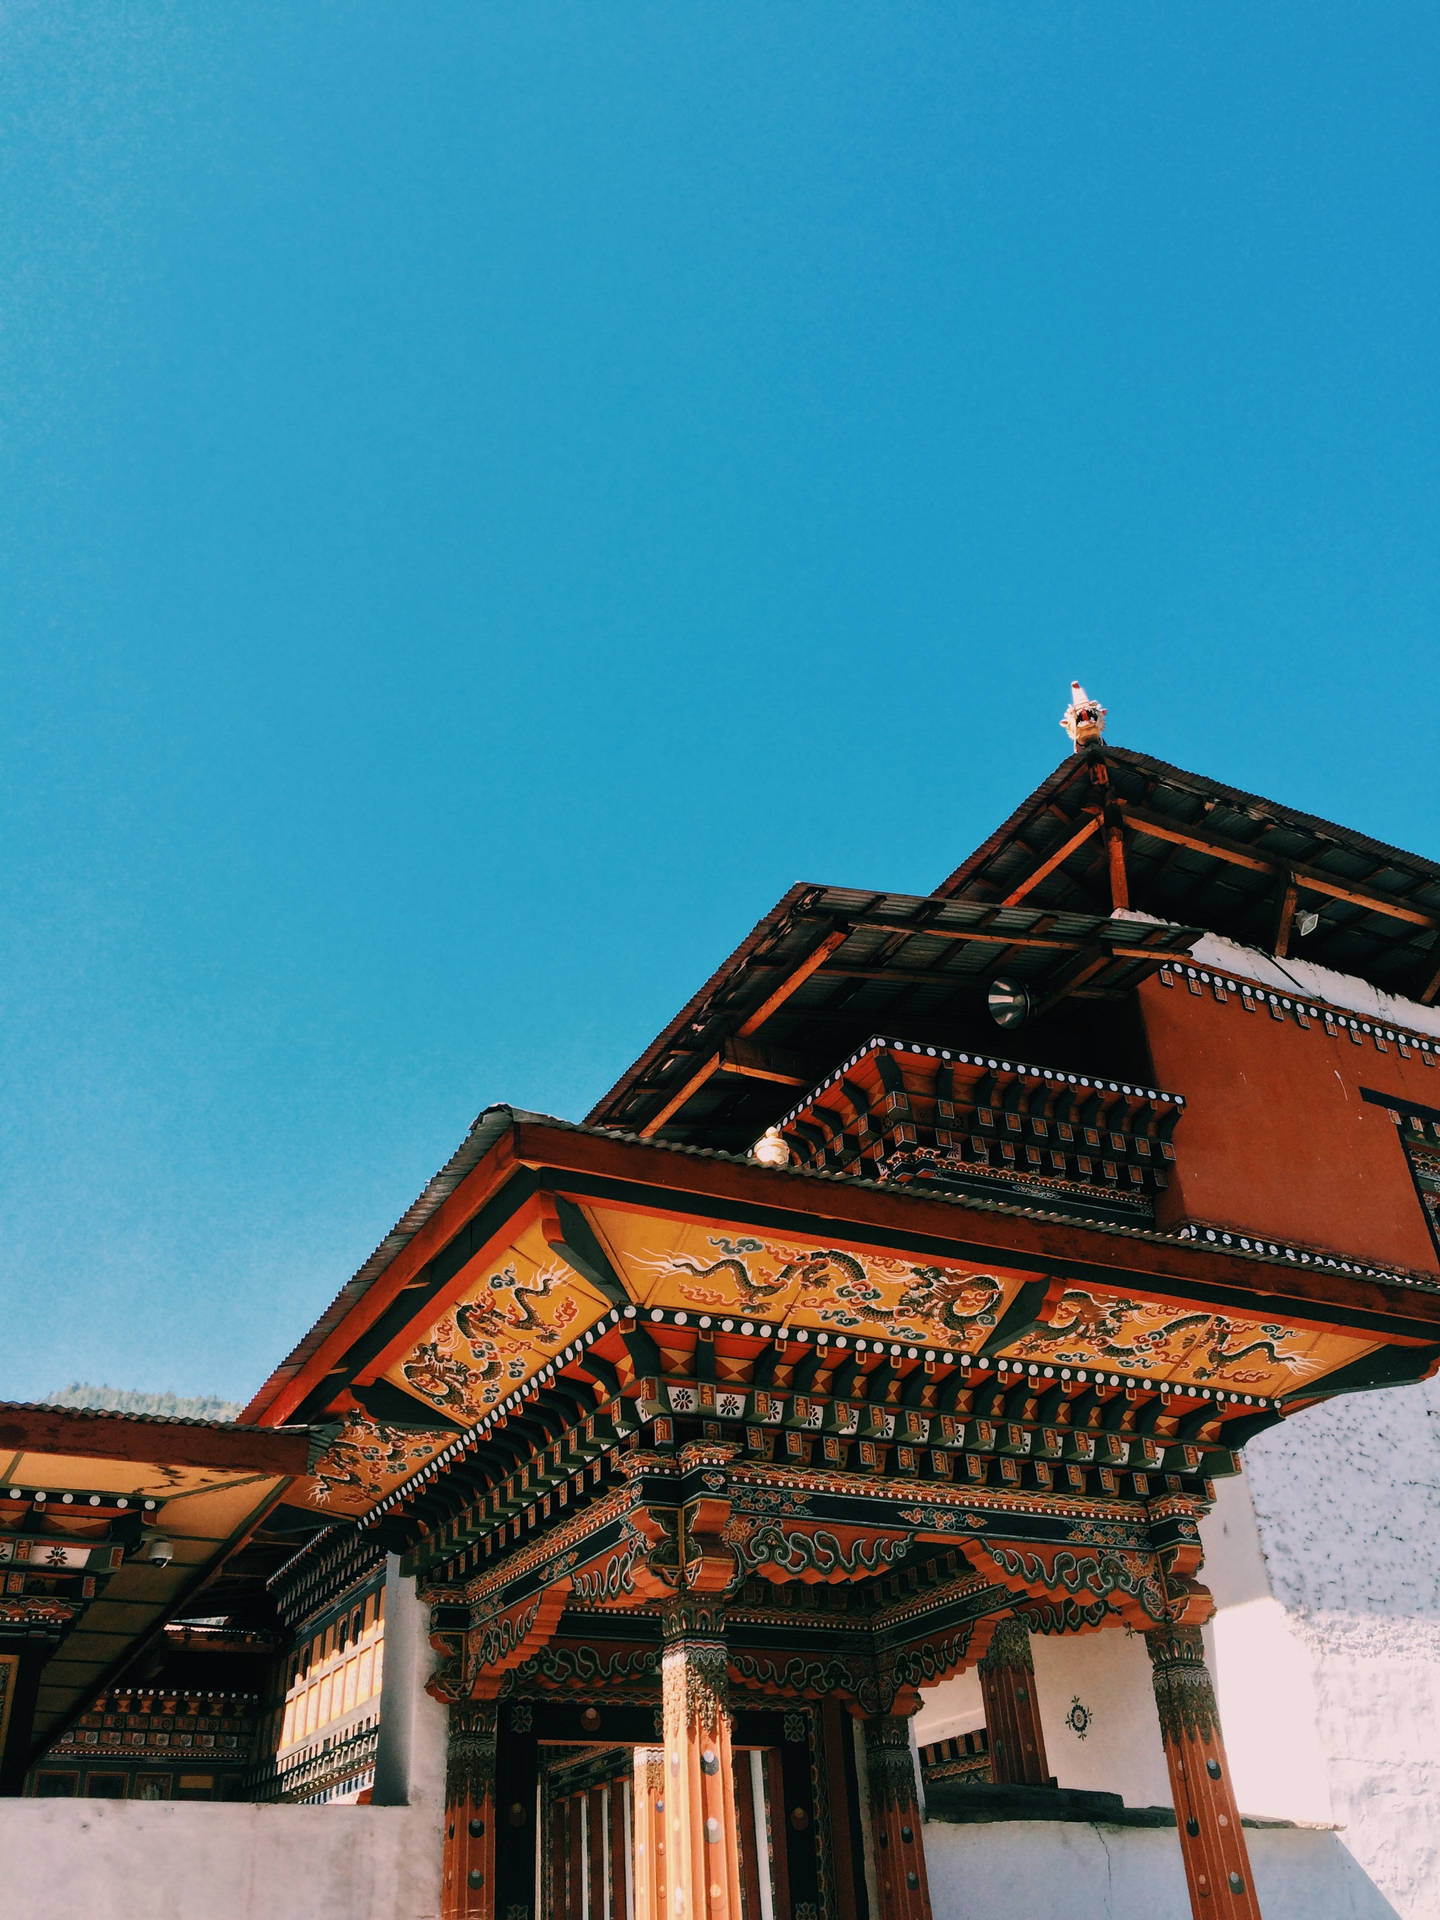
(1275, 1139)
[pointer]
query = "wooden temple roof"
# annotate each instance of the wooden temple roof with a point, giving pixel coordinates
(1206, 854)
(521, 1301)
(828, 965)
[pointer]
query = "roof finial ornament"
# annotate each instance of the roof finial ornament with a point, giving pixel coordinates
(772, 1149)
(1083, 719)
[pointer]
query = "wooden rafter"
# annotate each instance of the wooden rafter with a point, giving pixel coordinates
(1115, 857)
(994, 936)
(1284, 918)
(793, 980)
(1047, 867)
(1306, 879)
(680, 1096)
(1087, 963)
(754, 1062)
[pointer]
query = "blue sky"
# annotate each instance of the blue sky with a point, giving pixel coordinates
(495, 493)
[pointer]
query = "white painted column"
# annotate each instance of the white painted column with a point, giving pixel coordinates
(410, 1763)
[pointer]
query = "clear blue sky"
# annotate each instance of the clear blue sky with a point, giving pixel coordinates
(494, 493)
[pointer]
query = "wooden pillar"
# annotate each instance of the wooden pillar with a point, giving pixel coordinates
(468, 1878)
(1217, 1862)
(895, 1819)
(1012, 1712)
(622, 1846)
(647, 1814)
(701, 1830)
(597, 1820)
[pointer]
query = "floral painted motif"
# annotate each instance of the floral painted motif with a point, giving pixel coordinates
(1079, 1717)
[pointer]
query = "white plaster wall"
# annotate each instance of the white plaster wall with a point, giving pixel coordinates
(1049, 1870)
(182, 1860)
(954, 1706)
(414, 1728)
(1327, 1636)
(1109, 1673)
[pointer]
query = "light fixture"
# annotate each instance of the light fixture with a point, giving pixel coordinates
(1307, 923)
(1009, 1003)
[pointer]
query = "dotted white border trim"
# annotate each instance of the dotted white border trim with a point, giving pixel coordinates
(784, 1336)
(1025, 1071)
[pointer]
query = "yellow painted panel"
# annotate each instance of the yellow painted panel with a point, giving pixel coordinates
(1107, 1332)
(364, 1462)
(708, 1267)
(519, 1312)
(141, 1480)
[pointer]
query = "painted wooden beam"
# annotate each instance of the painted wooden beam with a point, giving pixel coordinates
(1307, 879)
(1047, 867)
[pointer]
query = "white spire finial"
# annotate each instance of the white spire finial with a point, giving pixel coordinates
(1083, 719)
(771, 1149)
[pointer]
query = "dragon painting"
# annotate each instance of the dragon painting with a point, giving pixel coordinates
(1084, 1329)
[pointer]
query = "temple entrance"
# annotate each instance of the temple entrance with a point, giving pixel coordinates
(601, 1822)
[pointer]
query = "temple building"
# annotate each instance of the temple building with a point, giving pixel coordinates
(814, 1487)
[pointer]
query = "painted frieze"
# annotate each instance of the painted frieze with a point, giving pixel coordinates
(705, 1267)
(1090, 1328)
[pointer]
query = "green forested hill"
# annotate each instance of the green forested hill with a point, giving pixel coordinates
(127, 1400)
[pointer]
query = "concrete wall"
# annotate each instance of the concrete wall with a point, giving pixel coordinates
(1049, 1870)
(172, 1860)
(184, 1860)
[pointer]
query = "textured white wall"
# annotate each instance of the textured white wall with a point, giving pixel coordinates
(175, 1860)
(1046, 1870)
(1327, 1638)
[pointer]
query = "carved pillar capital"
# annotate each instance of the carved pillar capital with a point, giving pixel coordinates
(1009, 1647)
(1012, 1707)
(1184, 1693)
